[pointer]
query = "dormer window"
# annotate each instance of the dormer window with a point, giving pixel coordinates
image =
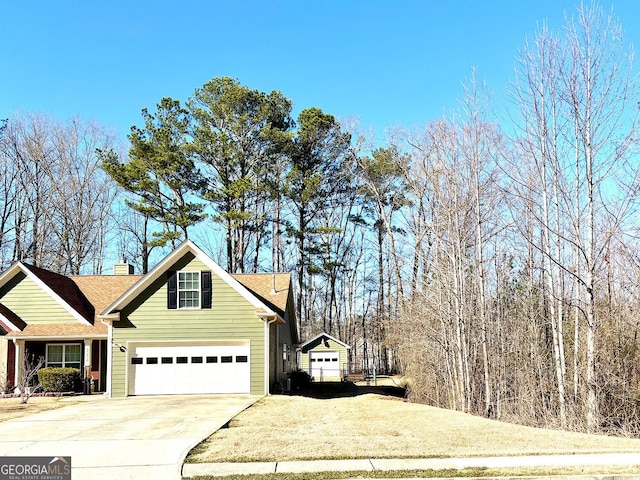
(188, 289)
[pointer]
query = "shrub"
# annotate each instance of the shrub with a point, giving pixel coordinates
(54, 379)
(300, 379)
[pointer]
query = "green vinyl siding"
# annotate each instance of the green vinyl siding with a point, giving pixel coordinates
(148, 319)
(288, 336)
(273, 353)
(31, 303)
(284, 368)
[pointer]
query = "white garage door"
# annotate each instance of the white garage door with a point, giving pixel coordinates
(182, 369)
(324, 364)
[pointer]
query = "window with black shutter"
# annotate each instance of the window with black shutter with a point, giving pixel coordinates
(206, 289)
(172, 290)
(187, 289)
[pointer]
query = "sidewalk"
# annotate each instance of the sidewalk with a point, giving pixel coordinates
(261, 468)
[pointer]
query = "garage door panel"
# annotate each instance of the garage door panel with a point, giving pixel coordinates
(324, 364)
(189, 369)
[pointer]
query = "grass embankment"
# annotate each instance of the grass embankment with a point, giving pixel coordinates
(282, 428)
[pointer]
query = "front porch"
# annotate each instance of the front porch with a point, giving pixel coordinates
(89, 355)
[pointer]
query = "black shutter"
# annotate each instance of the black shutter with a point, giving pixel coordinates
(206, 289)
(172, 290)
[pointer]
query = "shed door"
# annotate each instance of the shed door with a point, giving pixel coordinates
(324, 364)
(183, 369)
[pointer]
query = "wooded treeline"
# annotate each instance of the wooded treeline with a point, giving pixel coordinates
(495, 263)
(55, 200)
(526, 299)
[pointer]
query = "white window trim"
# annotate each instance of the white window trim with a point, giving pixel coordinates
(199, 290)
(64, 347)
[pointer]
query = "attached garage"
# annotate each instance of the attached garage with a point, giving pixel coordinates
(325, 358)
(189, 368)
(189, 327)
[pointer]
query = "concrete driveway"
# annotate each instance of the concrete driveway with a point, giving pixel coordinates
(124, 438)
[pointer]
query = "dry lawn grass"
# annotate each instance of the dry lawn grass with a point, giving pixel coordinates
(12, 408)
(474, 473)
(280, 428)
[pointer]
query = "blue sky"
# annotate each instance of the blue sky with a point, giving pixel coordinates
(386, 62)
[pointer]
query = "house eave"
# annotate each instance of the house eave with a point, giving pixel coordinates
(38, 338)
(270, 317)
(109, 318)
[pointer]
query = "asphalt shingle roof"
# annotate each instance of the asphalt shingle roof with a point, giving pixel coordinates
(271, 288)
(76, 329)
(87, 294)
(103, 290)
(91, 294)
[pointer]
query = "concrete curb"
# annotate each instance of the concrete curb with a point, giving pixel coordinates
(232, 414)
(223, 469)
(390, 464)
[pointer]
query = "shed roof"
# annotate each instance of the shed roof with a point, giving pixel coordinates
(321, 335)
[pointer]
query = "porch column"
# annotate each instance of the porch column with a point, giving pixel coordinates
(87, 357)
(19, 356)
(88, 378)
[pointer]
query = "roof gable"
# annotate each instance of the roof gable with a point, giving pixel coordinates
(60, 288)
(66, 289)
(326, 336)
(262, 306)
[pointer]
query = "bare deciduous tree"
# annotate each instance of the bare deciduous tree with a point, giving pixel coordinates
(28, 377)
(576, 97)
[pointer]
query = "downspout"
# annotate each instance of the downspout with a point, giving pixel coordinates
(109, 325)
(278, 361)
(267, 353)
(17, 358)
